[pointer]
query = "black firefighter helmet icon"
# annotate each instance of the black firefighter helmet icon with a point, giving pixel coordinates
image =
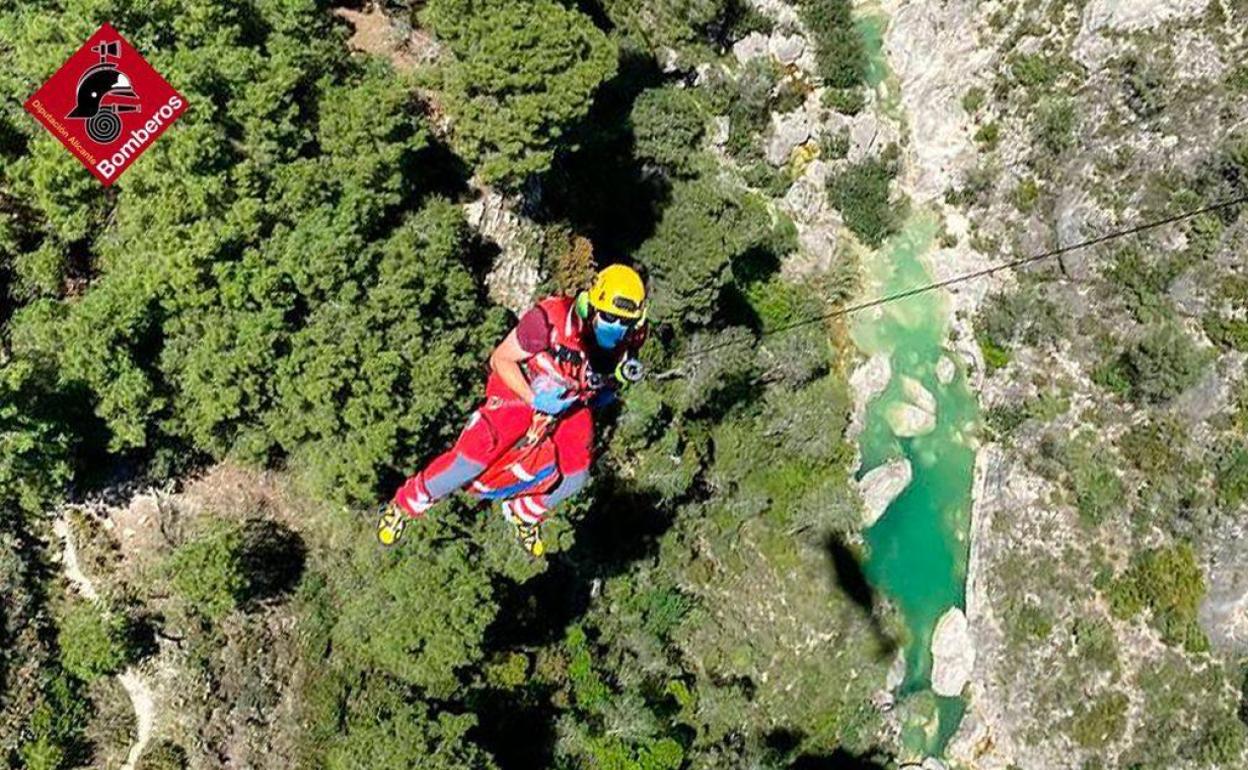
(104, 92)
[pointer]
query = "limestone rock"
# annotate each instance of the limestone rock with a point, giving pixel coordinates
(871, 378)
(720, 126)
(880, 486)
(749, 47)
(907, 420)
(788, 131)
(787, 48)
(953, 654)
(918, 395)
(513, 280)
(945, 370)
(1126, 15)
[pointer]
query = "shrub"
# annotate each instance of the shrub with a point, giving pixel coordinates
(840, 56)
(209, 572)
(1100, 722)
(1054, 127)
(847, 101)
(861, 194)
(1163, 364)
(94, 641)
(162, 755)
(1168, 582)
(523, 75)
(973, 99)
(667, 128)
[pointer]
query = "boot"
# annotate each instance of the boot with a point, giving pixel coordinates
(391, 519)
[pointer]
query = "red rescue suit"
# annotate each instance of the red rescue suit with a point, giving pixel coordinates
(546, 458)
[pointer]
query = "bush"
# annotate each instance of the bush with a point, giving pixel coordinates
(94, 641)
(162, 755)
(861, 194)
(1054, 127)
(847, 101)
(209, 572)
(668, 125)
(840, 56)
(1163, 364)
(1098, 723)
(524, 74)
(1168, 582)
(689, 258)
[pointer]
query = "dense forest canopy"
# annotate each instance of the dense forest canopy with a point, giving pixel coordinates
(287, 281)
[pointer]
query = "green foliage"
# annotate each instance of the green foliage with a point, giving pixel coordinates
(1038, 70)
(974, 98)
(692, 27)
(749, 105)
(162, 755)
(93, 640)
(524, 74)
(1168, 582)
(52, 736)
(435, 640)
(1054, 128)
(847, 101)
(209, 571)
(834, 146)
(34, 442)
(840, 55)
(989, 135)
(1231, 468)
(689, 259)
(1094, 478)
(384, 728)
(1162, 364)
(861, 194)
(1099, 722)
(668, 125)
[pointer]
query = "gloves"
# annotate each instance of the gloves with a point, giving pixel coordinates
(550, 400)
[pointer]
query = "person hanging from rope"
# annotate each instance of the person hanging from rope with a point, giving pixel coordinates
(564, 358)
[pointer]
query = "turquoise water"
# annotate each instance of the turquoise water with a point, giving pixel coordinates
(917, 552)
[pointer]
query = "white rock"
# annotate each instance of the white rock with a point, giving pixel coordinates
(935, 65)
(787, 48)
(918, 395)
(749, 47)
(872, 377)
(788, 131)
(907, 420)
(932, 763)
(880, 486)
(953, 654)
(945, 370)
(806, 200)
(1124, 15)
(720, 126)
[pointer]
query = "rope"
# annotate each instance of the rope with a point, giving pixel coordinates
(964, 277)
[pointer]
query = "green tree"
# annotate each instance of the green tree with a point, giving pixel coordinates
(209, 571)
(94, 640)
(437, 639)
(524, 74)
(689, 259)
(668, 125)
(1163, 363)
(383, 727)
(840, 55)
(861, 194)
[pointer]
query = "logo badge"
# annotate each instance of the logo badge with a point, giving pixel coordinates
(106, 104)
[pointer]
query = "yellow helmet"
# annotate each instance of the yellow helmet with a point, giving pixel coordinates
(618, 290)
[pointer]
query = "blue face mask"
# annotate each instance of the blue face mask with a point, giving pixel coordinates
(607, 334)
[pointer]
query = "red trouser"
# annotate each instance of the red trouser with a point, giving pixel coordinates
(492, 429)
